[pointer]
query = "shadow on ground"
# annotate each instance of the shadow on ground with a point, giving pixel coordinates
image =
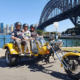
(34, 67)
(3, 57)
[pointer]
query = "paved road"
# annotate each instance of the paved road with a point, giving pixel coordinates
(29, 70)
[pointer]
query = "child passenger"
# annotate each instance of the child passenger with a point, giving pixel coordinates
(26, 36)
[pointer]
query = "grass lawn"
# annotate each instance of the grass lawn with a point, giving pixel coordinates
(71, 48)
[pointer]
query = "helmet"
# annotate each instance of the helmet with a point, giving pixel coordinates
(32, 26)
(25, 25)
(18, 23)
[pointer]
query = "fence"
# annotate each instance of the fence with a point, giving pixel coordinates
(3, 41)
(69, 42)
(66, 42)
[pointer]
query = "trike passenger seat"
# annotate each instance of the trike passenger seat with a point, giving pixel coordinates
(34, 48)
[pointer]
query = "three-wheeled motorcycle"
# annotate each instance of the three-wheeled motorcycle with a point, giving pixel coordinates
(70, 61)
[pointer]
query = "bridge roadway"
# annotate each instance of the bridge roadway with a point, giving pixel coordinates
(29, 70)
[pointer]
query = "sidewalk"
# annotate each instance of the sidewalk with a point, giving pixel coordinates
(2, 53)
(70, 49)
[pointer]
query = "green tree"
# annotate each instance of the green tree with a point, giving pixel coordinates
(77, 27)
(69, 32)
(54, 32)
(40, 32)
(46, 33)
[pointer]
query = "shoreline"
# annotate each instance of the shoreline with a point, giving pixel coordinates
(66, 37)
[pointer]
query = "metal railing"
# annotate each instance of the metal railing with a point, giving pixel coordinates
(66, 42)
(69, 42)
(3, 41)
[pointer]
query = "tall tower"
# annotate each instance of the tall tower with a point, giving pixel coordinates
(7, 28)
(11, 28)
(37, 25)
(2, 28)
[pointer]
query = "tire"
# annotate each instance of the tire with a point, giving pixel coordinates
(10, 60)
(74, 63)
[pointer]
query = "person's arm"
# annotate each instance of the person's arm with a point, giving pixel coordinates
(30, 36)
(23, 31)
(13, 36)
(26, 39)
(39, 36)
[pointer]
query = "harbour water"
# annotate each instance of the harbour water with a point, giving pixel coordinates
(66, 42)
(4, 39)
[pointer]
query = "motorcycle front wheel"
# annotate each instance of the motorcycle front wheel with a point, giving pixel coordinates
(74, 64)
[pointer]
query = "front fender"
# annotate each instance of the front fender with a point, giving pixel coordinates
(70, 54)
(12, 48)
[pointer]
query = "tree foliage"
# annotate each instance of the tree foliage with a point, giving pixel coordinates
(40, 32)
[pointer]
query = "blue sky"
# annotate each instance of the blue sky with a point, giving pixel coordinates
(27, 11)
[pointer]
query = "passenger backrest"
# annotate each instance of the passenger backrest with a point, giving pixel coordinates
(34, 48)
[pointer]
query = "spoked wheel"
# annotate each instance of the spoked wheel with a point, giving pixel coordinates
(10, 60)
(74, 64)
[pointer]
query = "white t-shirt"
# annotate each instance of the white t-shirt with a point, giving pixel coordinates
(26, 34)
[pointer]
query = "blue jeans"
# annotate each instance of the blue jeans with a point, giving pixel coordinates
(41, 40)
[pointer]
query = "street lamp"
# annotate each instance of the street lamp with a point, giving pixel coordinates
(56, 26)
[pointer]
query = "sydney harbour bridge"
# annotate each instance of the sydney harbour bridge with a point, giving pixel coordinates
(58, 10)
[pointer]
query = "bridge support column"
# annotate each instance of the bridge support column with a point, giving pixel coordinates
(79, 1)
(74, 17)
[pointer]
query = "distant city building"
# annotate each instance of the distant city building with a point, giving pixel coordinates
(11, 28)
(7, 28)
(37, 25)
(2, 27)
(0, 30)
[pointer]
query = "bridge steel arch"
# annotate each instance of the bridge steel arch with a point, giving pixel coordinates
(63, 9)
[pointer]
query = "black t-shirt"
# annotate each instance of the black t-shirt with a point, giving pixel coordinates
(33, 34)
(17, 33)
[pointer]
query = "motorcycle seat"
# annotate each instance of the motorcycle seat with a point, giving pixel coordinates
(34, 47)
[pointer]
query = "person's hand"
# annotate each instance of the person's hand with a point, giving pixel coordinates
(18, 39)
(33, 34)
(28, 40)
(32, 38)
(41, 36)
(22, 30)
